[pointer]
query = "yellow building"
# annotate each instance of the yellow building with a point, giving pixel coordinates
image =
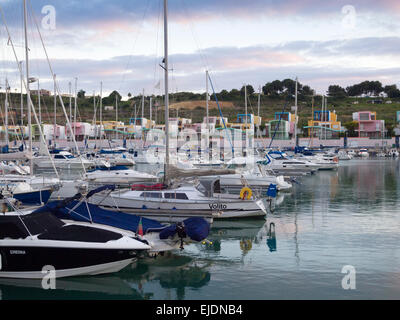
(326, 122)
(252, 121)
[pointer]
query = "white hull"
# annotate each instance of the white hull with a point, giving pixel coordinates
(74, 165)
(196, 205)
(124, 177)
(254, 181)
(83, 271)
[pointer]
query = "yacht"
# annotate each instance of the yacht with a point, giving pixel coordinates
(281, 163)
(324, 162)
(63, 160)
(161, 237)
(31, 242)
(125, 177)
(343, 155)
(256, 179)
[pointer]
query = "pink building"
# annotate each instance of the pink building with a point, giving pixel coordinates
(368, 125)
(80, 129)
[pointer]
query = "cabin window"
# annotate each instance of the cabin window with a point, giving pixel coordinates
(151, 195)
(180, 196)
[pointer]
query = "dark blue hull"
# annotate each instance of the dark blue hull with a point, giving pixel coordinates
(34, 197)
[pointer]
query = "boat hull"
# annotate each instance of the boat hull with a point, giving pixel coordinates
(28, 262)
(164, 210)
(34, 197)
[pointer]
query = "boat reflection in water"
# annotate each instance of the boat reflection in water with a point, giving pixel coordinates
(248, 232)
(99, 287)
(136, 282)
(171, 271)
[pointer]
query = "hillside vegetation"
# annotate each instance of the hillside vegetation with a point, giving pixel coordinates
(276, 96)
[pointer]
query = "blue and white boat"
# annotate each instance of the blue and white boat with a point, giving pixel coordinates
(161, 237)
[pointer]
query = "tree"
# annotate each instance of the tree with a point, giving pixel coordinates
(110, 100)
(290, 86)
(307, 91)
(223, 95)
(273, 89)
(129, 95)
(395, 93)
(250, 90)
(392, 91)
(366, 87)
(268, 90)
(81, 94)
(234, 94)
(336, 91)
(351, 127)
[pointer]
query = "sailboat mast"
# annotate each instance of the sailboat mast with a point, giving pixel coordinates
(116, 116)
(95, 115)
(259, 101)
(39, 105)
(70, 104)
(207, 114)
(75, 104)
(245, 103)
(27, 85)
(6, 114)
(295, 115)
(166, 89)
(142, 107)
(55, 109)
(151, 111)
(101, 112)
(22, 96)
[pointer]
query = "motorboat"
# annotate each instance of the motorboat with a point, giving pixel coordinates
(281, 163)
(343, 155)
(324, 162)
(33, 242)
(63, 160)
(363, 153)
(160, 237)
(256, 179)
(120, 177)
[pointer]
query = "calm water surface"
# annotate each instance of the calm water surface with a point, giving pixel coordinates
(329, 220)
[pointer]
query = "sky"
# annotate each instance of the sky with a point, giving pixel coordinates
(120, 43)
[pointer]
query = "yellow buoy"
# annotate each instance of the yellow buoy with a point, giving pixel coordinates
(246, 193)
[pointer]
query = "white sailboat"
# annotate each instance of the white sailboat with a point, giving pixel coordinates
(175, 204)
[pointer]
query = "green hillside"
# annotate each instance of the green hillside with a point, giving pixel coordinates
(194, 107)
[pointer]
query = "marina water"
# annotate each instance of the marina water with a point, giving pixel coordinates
(329, 220)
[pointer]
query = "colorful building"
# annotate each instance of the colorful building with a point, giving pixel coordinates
(283, 126)
(324, 125)
(368, 125)
(249, 127)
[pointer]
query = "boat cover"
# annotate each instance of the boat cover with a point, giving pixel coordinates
(84, 211)
(196, 228)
